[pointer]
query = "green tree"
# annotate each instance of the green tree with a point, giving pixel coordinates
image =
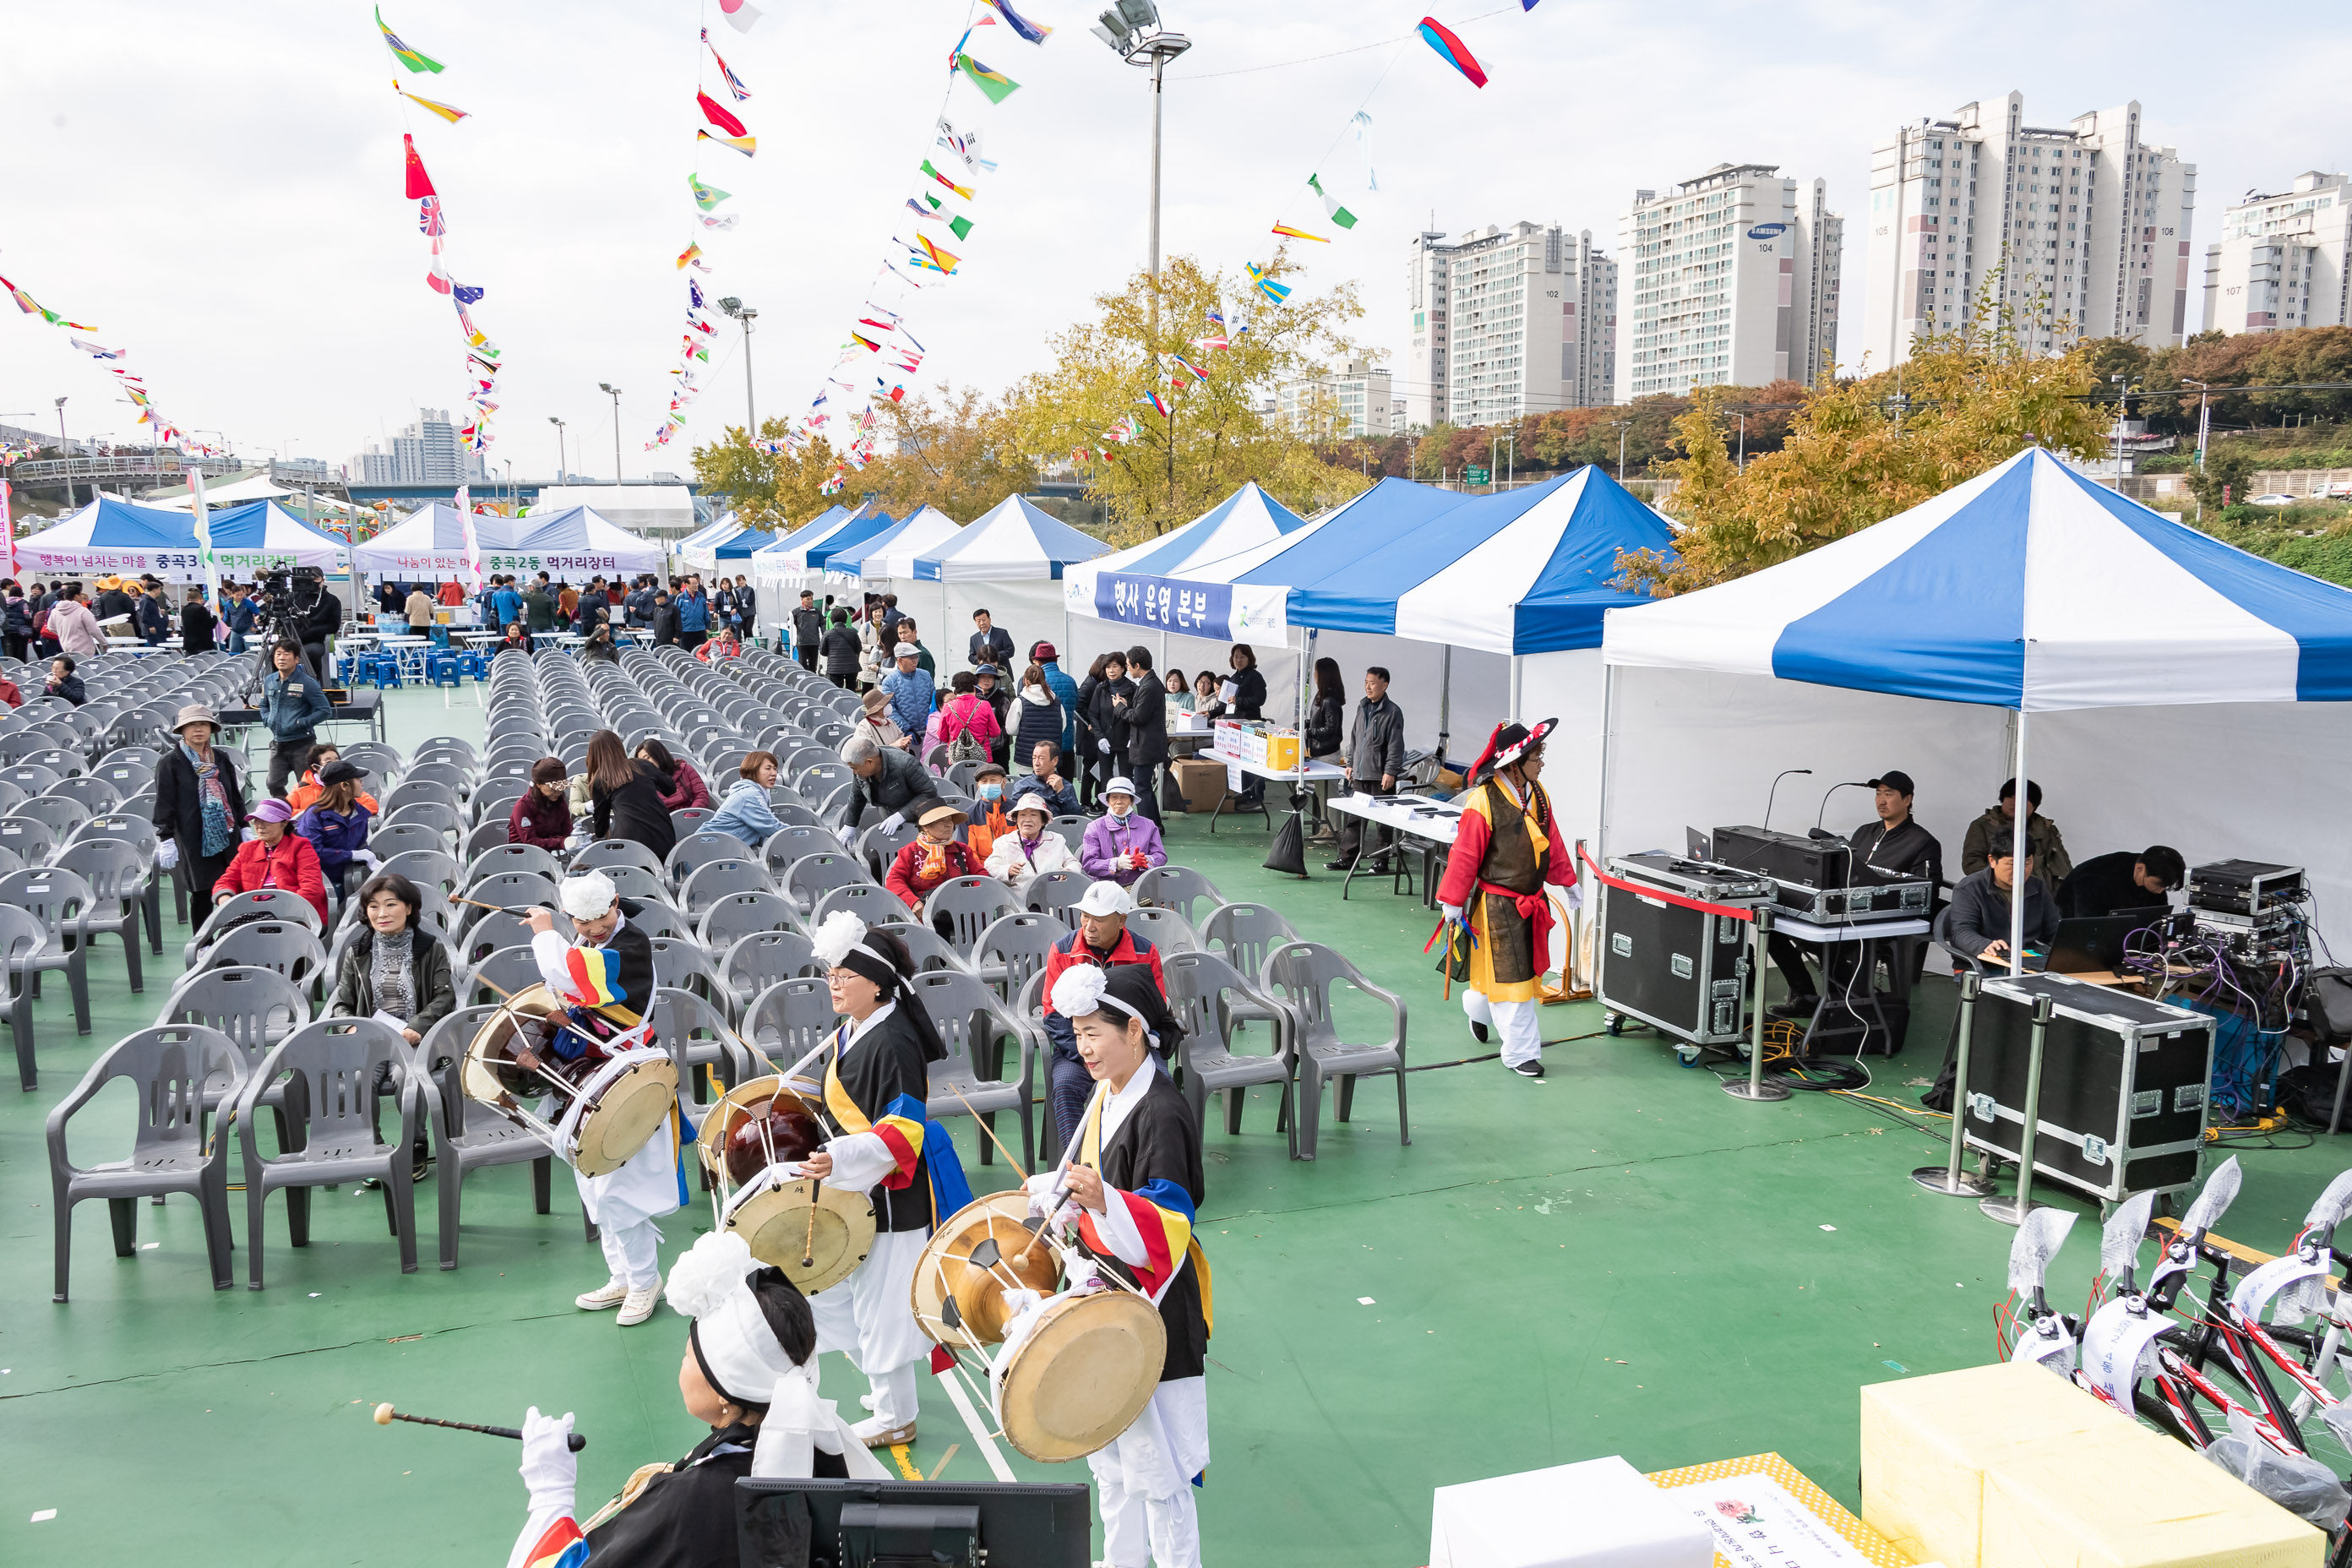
(773, 492)
(1218, 433)
(961, 455)
(2227, 479)
(1860, 452)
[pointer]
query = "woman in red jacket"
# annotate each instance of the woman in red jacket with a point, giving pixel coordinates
(542, 813)
(276, 856)
(682, 786)
(935, 855)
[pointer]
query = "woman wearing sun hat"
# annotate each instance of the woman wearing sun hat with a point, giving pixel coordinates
(934, 856)
(199, 802)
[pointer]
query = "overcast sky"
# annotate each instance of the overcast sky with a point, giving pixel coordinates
(217, 187)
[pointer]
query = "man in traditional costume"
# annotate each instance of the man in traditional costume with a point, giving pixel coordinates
(1496, 899)
(877, 1079)
(606, 980)
(1131, 1192)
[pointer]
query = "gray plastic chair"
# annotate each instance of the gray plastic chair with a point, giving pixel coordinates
(57, 902)
(32, 840)
(1244, 934)
(505, 857)
(688, 819)
(973, 1024)
(504, 972)
(637, 882)
(139, 835)
(818, 782)
(278, 946)
(660, 917)
(686, 965)
(259, 904)
(456, 778)
(1073, 830)
(434, 869)
(336, 1063)
(444, 820)
(488, 835)
(880, 847)
(1057, 894)
(169, 1150)
(870, 901)
(59, 814)
(93, 795)
(1302, 974)
(697, 1032)
(788, 1018)
(513, 890)
(961, 908)
(1204, 991)
(1168, 931)
(21, 937)
(709, 883)
(1181, 888)
(793, 840)
(757, 960)
(412, 791)
(491, 932)
(493, 804)
(1014, 948)
(255, 1007)
(116, 871)
(736, 915)
(927, 947)
(468, 1137)
(31, 777)
(809, 878)
(624, 851)
(692, 854)
(389, 838)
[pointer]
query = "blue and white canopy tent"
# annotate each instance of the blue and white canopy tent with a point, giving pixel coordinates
(780, 570)
(2175, 689)
(727, 539)
(1110, 597)
(574, 545)
(878, 559)
(109, 537)
(1009, 561)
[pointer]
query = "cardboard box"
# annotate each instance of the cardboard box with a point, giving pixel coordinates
(1282, 750)
(2010, 1467)
(1202, 784)
(1601, 1513)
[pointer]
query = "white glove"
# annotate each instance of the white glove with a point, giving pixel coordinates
(369, 856)
(167, 853)
(895, 821)
(549, 1469)
(1103, 747)
(848, 837)
(1451, 911)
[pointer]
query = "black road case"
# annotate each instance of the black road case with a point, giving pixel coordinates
(1679, 970)
(2122, 1084)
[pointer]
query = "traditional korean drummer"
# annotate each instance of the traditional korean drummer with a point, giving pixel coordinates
(1133, 1188)
(606, 980)
(877, 1079)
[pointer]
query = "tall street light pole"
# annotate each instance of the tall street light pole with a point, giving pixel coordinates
(552, 419)
(1131, 29)
(746, 315)
(614, 392)
(63, 453)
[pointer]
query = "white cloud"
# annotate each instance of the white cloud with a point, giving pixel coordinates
(218, 188)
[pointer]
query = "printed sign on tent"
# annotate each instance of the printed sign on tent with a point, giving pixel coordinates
(1165, 603)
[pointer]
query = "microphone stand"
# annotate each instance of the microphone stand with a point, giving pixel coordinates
(1784, 773)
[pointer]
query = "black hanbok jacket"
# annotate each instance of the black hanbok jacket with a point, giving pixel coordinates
(885, 1062)
(1160, 1144)
(686, 1518)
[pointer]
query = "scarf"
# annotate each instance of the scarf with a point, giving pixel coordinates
(392, 974)
(212, 796)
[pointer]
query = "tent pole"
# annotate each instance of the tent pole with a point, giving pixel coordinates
(1515, 715)
(1608, 736)
(2017, 848)
(1444, 701)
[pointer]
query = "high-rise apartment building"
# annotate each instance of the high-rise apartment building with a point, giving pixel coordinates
(1507, 322)
(2283, 260)
(2080, 231)
(427, 452)
(1732, 279)
(1354, 402)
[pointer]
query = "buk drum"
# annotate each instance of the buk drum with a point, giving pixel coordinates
(606, 1102)
(1068, 1385)
(749, 1142)
(975, 1255)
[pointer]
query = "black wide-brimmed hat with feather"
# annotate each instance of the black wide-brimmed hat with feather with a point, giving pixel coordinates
(1506, 746)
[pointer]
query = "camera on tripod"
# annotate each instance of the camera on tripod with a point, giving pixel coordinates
(295, 588)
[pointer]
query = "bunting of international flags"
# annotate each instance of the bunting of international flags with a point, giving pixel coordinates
(132, 386)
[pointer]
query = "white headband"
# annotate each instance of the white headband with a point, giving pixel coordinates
(740, 1355)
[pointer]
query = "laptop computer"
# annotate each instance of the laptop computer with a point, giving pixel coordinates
(2088, 946)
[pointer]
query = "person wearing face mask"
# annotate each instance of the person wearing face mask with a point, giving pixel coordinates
(275, 857)
(990, 823)
(1020, 857)
(1122, 843)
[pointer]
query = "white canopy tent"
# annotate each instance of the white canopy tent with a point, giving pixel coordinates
(2162, 687)
(574, 546)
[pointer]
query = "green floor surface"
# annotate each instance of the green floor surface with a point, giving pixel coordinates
(1619, 1260)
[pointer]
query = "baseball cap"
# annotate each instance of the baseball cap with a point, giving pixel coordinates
(1894, 779)
(1106, 899)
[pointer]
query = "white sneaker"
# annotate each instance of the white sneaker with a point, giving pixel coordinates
(876, 1432)
(640, 1305)
(604, 1297)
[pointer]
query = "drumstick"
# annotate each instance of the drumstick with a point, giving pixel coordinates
(494, 908)
(1061, 1186)
(993, 1138)
(385, 1415)
(808, 1242)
